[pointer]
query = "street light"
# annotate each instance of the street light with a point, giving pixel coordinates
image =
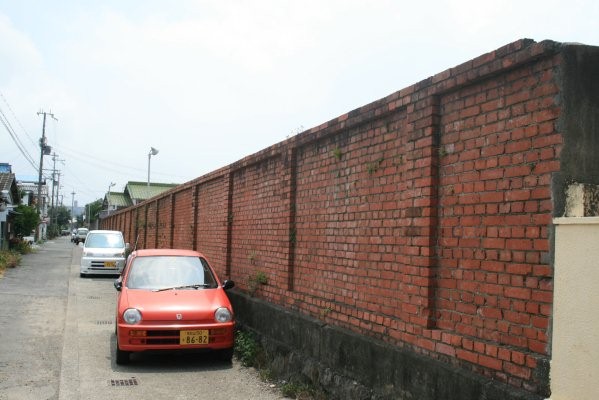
(152, 152)
(108, 198)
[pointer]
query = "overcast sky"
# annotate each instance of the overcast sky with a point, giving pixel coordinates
(210, 82)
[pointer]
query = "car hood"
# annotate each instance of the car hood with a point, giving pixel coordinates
(104, 251)
(191, 305)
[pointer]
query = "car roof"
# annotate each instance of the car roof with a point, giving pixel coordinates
(104, 231)
(167, 252)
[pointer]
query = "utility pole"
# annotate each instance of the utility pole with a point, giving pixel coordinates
(54, 183)
(53, 186)
(57, 188)
(72, 207)
(44, 150)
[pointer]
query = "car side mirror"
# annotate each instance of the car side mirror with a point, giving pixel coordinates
(227, 284)
(118, 285)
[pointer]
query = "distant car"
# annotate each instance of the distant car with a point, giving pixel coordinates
(103, 253)
(172, 300)
(80, 235)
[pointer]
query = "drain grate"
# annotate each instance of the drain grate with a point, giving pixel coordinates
(123, 382)
(104, 322)
(93, 297)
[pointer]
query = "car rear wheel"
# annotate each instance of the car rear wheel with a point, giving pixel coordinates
(122, 357)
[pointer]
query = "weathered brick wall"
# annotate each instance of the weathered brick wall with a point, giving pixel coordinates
(183, 228)
(498, 149)
(422, 220)
(163, 222)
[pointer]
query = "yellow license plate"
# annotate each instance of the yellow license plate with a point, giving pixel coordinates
(193, 337)
(109, 264)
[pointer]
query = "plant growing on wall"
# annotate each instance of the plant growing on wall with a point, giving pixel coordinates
(374, 166)
(252, 257)
(256, 280)
(442, 151)
(292, 235)
(337, 153)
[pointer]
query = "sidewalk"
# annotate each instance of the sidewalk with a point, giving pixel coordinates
(33, 299)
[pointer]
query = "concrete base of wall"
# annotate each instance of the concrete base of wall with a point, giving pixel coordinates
(349, 366)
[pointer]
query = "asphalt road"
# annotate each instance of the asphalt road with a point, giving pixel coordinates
(57, 342)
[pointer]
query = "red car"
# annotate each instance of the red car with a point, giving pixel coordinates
(172, 300)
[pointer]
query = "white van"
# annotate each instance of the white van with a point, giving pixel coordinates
(103, 253)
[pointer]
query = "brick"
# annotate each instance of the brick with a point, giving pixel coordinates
(490, 362)
(467, 355)
(516, 370)
(445, 349)
(518, 293)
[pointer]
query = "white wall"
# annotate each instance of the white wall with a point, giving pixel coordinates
(575, 341)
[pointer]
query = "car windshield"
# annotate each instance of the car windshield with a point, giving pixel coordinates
(104, 240)
(170, 272)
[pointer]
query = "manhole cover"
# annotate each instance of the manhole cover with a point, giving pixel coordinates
(123, 382)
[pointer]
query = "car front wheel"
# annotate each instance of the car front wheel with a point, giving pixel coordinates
(122, 357)
(225, 354)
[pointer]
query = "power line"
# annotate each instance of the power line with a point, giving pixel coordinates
(19, 122)
(106, 165)
(16, 140)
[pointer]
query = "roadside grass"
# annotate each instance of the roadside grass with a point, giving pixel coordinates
(251, 354)
(8, 259)
(11, 258)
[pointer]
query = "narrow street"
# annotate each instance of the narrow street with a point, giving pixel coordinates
(57, 340)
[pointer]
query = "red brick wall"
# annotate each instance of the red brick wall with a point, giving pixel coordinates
(498, 149)
(211, 230)
(183, 219)
(163, 222)
(422, 219)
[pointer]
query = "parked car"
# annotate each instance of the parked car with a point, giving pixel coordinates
(103, 253)
(80, 235)
(29, 239)
(172, 300)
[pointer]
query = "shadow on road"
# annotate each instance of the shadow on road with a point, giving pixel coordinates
(169, 361)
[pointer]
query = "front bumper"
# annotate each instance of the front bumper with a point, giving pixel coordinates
(144, 337)
(101, 266)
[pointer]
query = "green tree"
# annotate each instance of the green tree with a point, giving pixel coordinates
(63, 215)
(92, 211)
(26, 220)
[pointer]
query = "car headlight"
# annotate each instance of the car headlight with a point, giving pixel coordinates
(132, 316)
(223, 314)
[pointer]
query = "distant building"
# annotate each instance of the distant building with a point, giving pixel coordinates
(140, 191)
(9, 199)
(134, 193)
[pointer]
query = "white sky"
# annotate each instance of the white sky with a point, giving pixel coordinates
(208, 82)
